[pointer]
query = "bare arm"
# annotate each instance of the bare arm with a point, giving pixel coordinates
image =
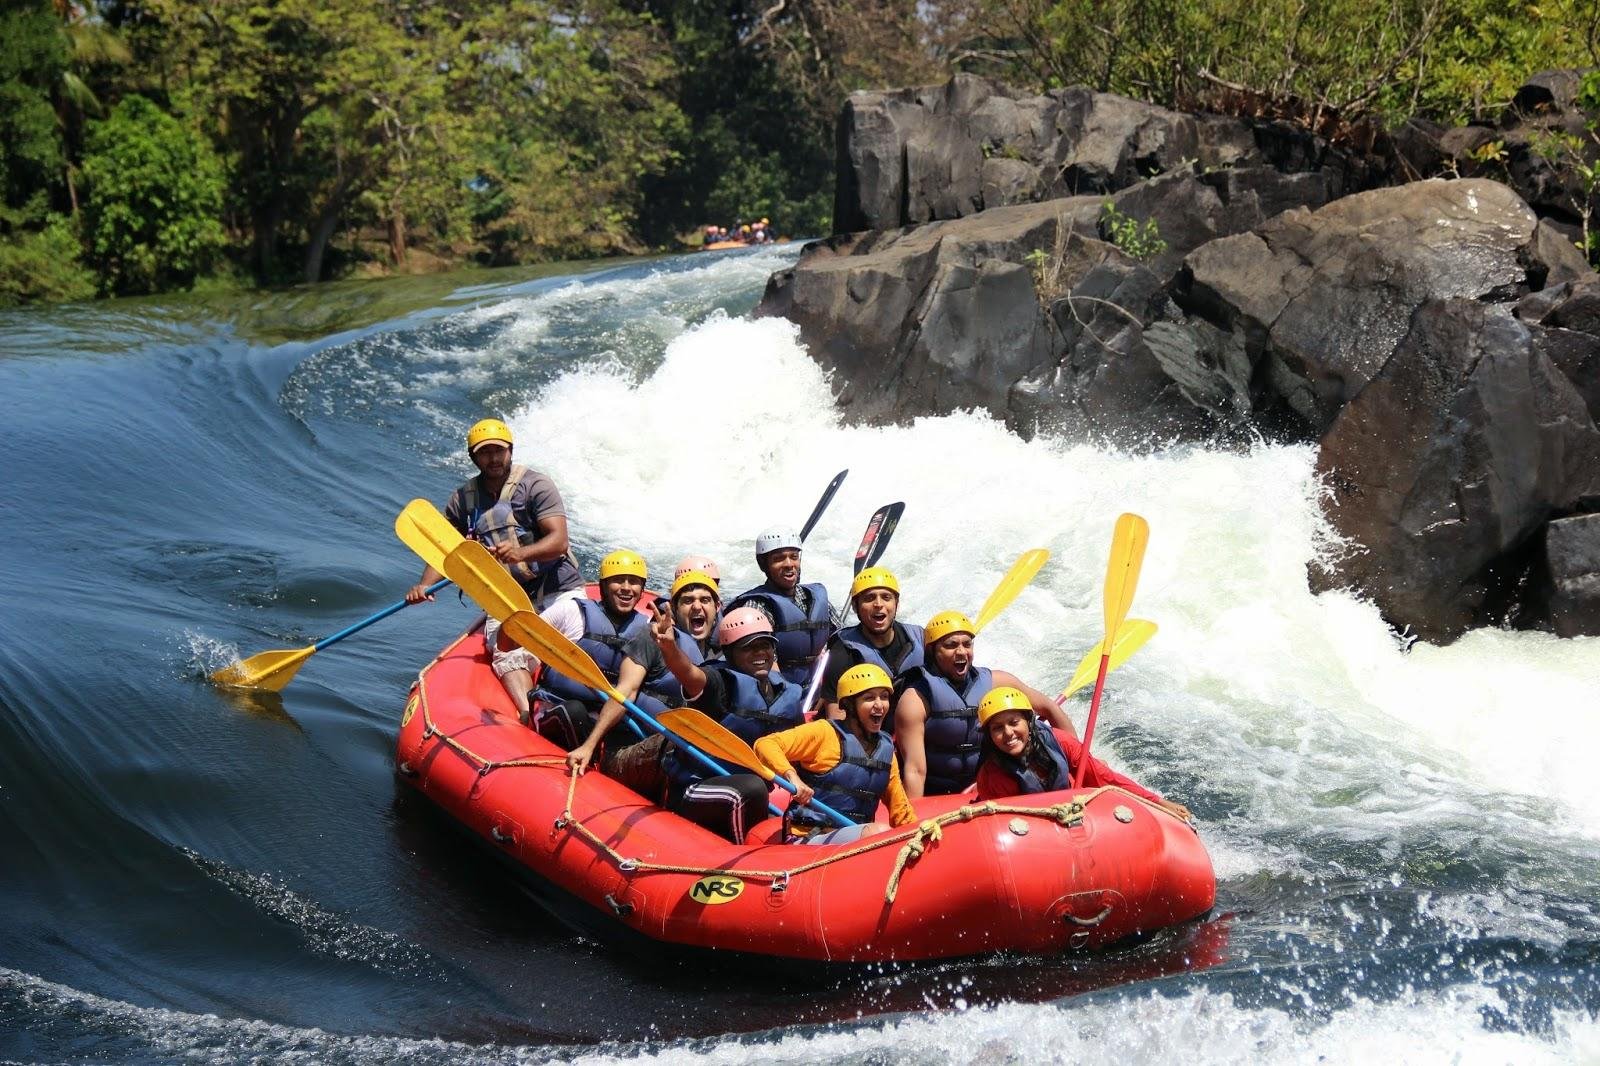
(630, 675)
(910, 716)
(1043, 705)
(690, 676)
(419, 592)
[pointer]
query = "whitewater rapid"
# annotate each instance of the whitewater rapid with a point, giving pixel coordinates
(1407, 838)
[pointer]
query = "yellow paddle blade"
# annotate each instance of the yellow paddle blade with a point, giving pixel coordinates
(1022, 571)
(270, 670)
(1131, 636)
(555, 650)
(714, 739)
(425, 531)
(1122, 572)
(482, 577)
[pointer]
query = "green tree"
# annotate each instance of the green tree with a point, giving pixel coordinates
(154, 199)
(33, 57)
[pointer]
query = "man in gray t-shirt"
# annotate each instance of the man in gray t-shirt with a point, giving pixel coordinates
(541, 556)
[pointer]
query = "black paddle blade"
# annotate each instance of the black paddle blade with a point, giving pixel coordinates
(822, 504)
(875, 541)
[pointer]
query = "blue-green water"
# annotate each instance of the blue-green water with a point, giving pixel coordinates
(1408, 844)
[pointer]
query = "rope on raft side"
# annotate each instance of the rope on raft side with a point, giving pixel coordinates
(914, 841)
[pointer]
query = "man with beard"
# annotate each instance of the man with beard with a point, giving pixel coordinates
(876, 639)
(801, 616)
(643, 675)
(602, 630)
(538, 553)
(936, 717)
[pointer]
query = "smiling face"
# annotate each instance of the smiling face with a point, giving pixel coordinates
(1008, 731)
(754, 656)
(952, 656)
(621, 593)
(871, 708)
(695, 611)
(782, 568)
(876, 608)
(493, 460)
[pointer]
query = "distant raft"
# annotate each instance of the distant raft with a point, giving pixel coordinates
(1033, 874)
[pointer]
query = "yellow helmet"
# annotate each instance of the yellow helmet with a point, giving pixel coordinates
(488, 431)
(695, 577)
(863, 678)
(624, 562)
(944, 623)
(1004, 698)
(874, 577)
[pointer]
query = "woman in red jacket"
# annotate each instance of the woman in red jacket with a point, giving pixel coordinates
(1022, 755)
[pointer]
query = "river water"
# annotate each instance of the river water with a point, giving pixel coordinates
(1407, 840)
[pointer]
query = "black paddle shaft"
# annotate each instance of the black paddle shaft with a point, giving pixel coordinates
(822, 504)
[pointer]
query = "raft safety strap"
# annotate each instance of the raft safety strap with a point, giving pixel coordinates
(912, 841)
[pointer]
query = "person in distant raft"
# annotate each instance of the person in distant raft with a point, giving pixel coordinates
(518, 512)
(877, 638)
(746, 693)
(801, 616)
(1023, 756)
(602, 630)
(848, 765)
(936, 717)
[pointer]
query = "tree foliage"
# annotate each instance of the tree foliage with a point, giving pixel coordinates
(155, 197)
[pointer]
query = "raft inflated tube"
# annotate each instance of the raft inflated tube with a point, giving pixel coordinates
(1032, 874)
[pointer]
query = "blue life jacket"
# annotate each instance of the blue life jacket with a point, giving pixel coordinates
(855, 638)
(749, 717)
(604, 644)
(950, 739)
(801, 636)
(1060, 775)
(854, 787)
(666, 687)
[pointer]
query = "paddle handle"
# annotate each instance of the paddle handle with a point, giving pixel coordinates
(645, 718)
(380, 616)
(1088, 729)
(838, 819)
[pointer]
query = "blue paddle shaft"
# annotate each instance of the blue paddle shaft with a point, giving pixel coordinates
(711, 764)
(380, 616)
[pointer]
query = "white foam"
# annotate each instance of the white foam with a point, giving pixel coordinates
(1199, 1027)
(1306, 711)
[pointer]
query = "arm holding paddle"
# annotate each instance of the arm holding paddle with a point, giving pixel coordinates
(630, 677)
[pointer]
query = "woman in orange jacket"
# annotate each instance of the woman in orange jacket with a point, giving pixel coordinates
(849, 765)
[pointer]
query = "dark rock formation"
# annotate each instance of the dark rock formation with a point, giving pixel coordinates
(1322, 298)
(1096, 267)
(1463, 445)
(1567, 576)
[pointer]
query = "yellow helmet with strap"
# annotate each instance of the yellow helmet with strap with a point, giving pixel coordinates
(1004, 698)
(695, 579)
(863, 678)
(624, 562)
(944, 623)
(874, 577)
(488, 431)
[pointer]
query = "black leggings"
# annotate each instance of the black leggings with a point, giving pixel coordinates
(728, 805)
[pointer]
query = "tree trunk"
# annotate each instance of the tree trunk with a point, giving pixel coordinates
(322, 231)
(397, 238)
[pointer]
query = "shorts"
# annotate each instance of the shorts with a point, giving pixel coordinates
(506, 662)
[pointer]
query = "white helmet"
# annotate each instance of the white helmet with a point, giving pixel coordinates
(771, 542)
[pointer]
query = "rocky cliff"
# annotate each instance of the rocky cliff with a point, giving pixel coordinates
(1095, 267)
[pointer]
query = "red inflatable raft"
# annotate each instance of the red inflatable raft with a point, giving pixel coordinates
(1033, 874)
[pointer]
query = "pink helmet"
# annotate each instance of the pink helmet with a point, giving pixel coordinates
(696, 562)
(741, 624)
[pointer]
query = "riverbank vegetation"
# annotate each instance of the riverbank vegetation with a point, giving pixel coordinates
(150, 145)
